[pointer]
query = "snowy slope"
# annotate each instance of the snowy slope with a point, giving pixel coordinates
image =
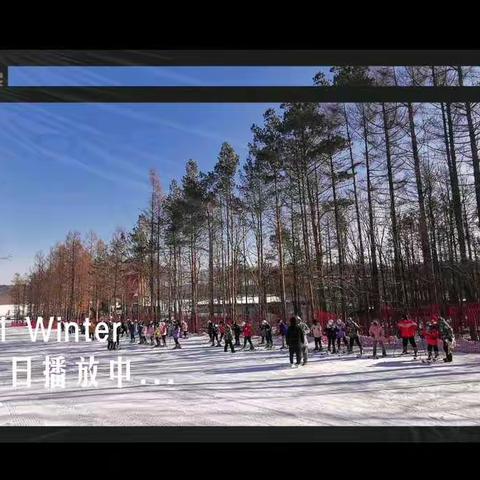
(202, 385)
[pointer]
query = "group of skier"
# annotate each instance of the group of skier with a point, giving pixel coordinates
(433, 331)
(153, 333)
(342, 336)
(228, 333)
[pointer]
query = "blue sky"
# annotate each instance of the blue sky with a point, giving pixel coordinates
(85, 166)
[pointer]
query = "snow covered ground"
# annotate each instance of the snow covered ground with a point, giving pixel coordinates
(202, 385)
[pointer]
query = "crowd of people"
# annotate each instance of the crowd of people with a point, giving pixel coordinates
(153, 333)
(342, 337)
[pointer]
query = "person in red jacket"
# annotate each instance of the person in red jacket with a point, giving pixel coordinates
(407, 329)
(432, 334)
(247, 335)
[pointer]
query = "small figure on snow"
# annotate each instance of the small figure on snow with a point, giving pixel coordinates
(176, 333)
(331, 331)
(295, 339)
(150, 332)
(446, 334)
(282, 331)
(158, 334)
(267, 329)
(407, 329)
(184, 328)
(352, 331)
(163, 332)
(306, 331)
(432, 335)
(237, 330)
(221, 329)
(377, 332)
(210, 330)
(110, 343)
(228, 339)
(247, 334)
(317, 335)
(140, 331)
(91, 329)
(262, 334)
(215, 330)
(341, 334)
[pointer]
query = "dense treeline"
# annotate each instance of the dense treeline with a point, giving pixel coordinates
(347, 208)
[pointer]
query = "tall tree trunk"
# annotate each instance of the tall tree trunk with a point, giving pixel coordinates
(279, 228)
(398, 287)
(473, 145)
(364, 301)
(422, 220)
(375, 287)
(339, 240)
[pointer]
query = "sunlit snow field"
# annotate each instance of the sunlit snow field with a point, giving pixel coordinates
(202, 385)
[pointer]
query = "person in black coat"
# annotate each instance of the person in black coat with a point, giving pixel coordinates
(331, 331)
(295, 339)
(267, 329)
(210, 329)
(237, 330)
(131, 328)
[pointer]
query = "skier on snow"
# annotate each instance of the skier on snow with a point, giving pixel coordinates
(306, 331)
(407, 329)
(295, 340)
(215, 335)
(163, 332)
(110, 342)
(221, 329)
(432, 335)
(228, 339)
(377, 332)
(184, 328)
(341, 334)
(267, 329)
(247, 335)
(282, 330)
(176, 333)
(131, 329)
(150, 332)
(331, 331)
(352, 330)
(317, 335)
(446, 334)
(158, 334)
(210, 330)
(237, 330)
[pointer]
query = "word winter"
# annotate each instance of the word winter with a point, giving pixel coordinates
(46, 333)
(55, 371)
